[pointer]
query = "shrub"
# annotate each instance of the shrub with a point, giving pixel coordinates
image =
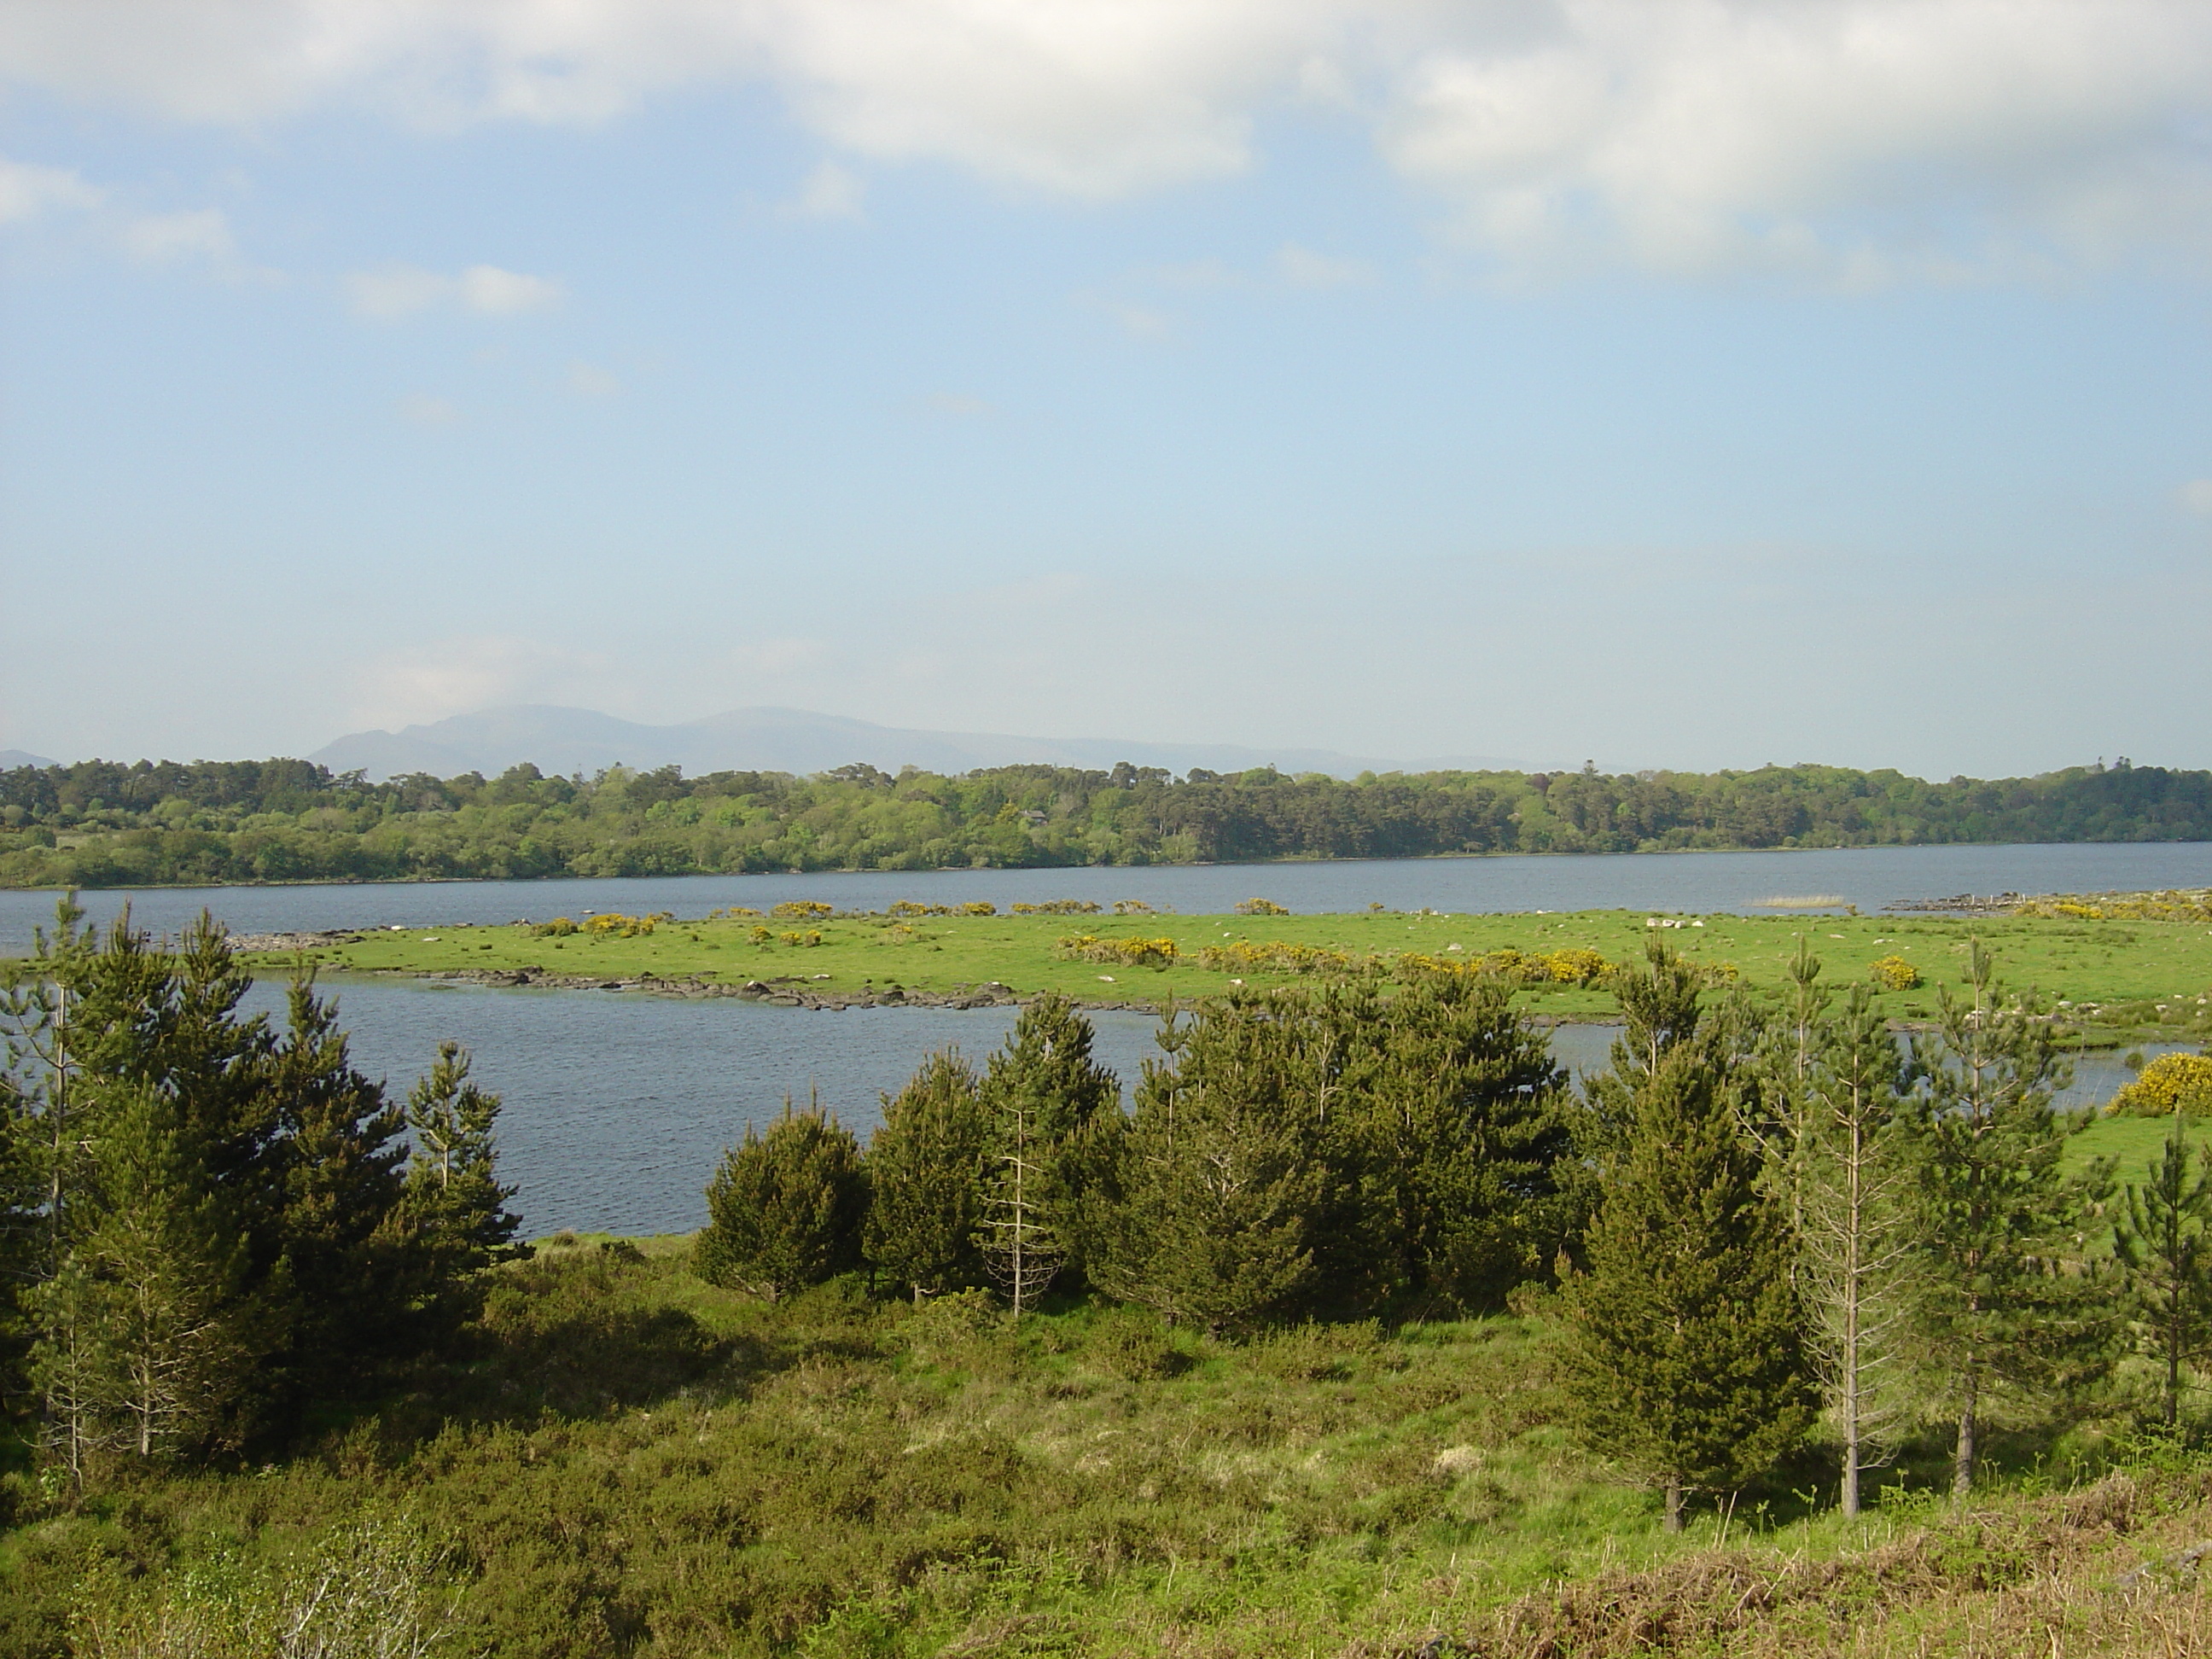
(1280, 957)
(811, 936)
(908, 908)
(559, 928)
(627, 927)
(1121, 952)
(1132, 908)
(803, 910)
(760, 935)
(786, 1208)
(2170, 1083)
(1894, 973)
(1059, 908)
(1260, 906)
(979, 907)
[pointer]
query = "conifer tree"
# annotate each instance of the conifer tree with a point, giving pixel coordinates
(454, 1200)
(785, 1209)
(2162, 1243)
(205, 1218)
(1661, 1009)
(351, 1264)
(1219, 1174)
(1857, 1231)
(1053, 1113)
(1682, 1362)
(150, 1329)
(1464, 1129)
(926, 1175)
(2009, 1304)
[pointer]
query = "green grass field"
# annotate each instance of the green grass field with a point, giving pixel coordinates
(2116, 976)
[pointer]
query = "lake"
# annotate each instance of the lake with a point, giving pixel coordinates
(1702, 882)
(618, 1107)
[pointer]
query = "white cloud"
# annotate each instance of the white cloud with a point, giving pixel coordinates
(393, 291)
(28, 192)
(492, 292)
(160, 238)
(830, 191)
(1847, 142)
(2196, 496)
(1302, 268)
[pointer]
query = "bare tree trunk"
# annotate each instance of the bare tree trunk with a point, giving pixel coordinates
(1962, 1462)
(1673, 1520)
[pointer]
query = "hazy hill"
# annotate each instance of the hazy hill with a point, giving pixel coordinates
(567, 740)
(12, 758)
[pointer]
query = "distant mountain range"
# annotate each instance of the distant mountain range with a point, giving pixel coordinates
(12, 758)
(566, 740)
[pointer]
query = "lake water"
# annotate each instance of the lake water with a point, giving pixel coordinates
(617, 1106)
(1703, 883)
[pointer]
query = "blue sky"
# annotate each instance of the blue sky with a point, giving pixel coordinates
(1669, 384)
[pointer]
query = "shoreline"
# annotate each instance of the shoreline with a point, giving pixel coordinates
(1003, 869)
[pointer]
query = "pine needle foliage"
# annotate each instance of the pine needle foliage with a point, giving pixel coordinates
(2161, 1243)
(926, 1170)
(2013, 1308)
(785, 1209)
(1683, 1360)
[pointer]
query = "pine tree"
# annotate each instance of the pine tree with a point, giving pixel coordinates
(926, 1170)
(1661, 1009)
(1859, 1242)
(1682, 1362)
(2009, 1303)
(351, 1268)
(1463, 1122)
(1053, 1114)
(785, 1209)
(453, 1184)
(160, 1267)
(2161, 1243)
(1219, 1175)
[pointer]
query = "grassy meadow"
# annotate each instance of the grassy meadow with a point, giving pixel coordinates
(2118, 975)
(630, 1462)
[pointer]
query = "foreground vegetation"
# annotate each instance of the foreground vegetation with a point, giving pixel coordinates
(2113, 975)
(104, 825)
(627, 1462)
(1361, 1332)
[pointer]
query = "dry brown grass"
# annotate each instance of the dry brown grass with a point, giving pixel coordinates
(2109, 1570)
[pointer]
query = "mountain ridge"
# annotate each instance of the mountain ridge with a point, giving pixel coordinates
(767, 738)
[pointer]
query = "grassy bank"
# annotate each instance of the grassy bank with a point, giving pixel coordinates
(629, 1463)
(2120, 976)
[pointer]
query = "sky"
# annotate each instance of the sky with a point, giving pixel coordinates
(1670, 383)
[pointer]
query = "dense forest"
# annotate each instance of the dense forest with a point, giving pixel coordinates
(98, 823)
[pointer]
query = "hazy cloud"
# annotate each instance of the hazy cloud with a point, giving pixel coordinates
(587, 381)
(2196, 496)
(460, 675)
(830, 191)
(160, 237)
(959, 404)
(426, 410)
(27, 191)
(393, 291)
(1302, 268)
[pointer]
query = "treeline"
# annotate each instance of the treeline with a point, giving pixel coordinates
(98, 823)
(1760, 1218)
(212, 1225)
